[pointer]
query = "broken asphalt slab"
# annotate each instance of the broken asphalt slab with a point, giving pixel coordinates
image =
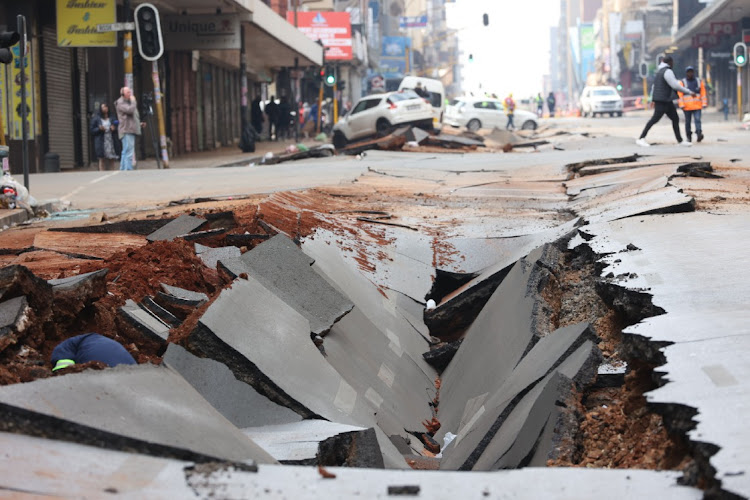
(182, 297)
(266, 343)
(237, 401)
(285, 270)
(144, 408)
(44, 467)
(14, 314)
(180, 226)
(145, 322)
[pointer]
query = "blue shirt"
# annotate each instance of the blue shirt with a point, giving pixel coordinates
(92, 347)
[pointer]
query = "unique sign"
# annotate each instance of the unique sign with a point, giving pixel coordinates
(412, 21)
(705, 40)
(333, 29)
(724, 28)
(77, 22)
(208, 32)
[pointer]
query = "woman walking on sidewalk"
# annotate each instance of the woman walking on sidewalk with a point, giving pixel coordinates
(102, 128)
(664, 93)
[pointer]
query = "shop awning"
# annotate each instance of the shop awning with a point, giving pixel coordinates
(271, 42)
(716, 12)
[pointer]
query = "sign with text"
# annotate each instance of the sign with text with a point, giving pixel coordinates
(412, 21)
(333, 29)
(705, 40)
(724, 28)
(201, 32)
(11, 104)
(394, 55)
(77, 22)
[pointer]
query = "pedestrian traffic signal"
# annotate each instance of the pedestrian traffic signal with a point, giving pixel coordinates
(7, 40)
(330, 78)
(148, 32)
(740, 54)
(485, 19)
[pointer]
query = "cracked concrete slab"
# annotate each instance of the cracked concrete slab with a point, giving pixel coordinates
(485, 419)
(285, 270)
(14, 316)
(496, 341)
(470, 297)
(184, 297)
(145, 322)
(296, 442)
(182, 225)
(43, 467)
(237, 401)
(704, 295)
(266, 343)
(211, 256)
(144, 408)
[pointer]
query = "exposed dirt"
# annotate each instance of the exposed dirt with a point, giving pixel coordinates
(616, 428)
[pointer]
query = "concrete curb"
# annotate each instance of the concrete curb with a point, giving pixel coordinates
(10, 217)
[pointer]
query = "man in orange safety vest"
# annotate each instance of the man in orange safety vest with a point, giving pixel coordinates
(693, 105)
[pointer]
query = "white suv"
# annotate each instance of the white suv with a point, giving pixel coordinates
(484, 112)
(380, 113)
(600, 100)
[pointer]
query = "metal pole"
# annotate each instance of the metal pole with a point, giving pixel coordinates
(21, 23)
(128, 49)
(295, 93)
(243, 91)
(645, 93)
(160, 114)
(408, 66)
(335, 96)
(320, 106)
(739, 92)
(154, 142)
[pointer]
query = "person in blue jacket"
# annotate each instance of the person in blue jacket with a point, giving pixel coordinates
(90, 347)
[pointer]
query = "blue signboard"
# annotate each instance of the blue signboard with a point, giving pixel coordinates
(412, 21)
(393, 56)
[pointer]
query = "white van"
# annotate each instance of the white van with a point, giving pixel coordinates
(437, 95)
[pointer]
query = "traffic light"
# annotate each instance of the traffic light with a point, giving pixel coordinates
(485, 19)
(471, 57)
(323, 73)
(619, 87)
(342, 85)
(148, 32)
(740, 54)
(330, 78)
(643, 70)
(7, 40)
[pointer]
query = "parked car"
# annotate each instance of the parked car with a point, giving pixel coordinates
(600, 100)
(380, 113)
(477, 112)
(436, 93)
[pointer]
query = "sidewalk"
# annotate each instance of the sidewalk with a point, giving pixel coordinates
(226, 156)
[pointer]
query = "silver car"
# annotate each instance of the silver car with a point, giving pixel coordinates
(600, 100)
(475, 113)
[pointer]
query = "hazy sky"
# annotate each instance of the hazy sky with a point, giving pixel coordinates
(512, 53)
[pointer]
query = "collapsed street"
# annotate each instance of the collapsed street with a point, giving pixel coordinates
(572, 313)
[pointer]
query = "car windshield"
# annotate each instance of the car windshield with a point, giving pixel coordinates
(605, 92)
(404, 95)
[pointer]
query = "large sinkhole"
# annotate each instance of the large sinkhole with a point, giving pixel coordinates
(359, 340)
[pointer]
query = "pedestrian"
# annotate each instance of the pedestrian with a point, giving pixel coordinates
(256, 115)
(509, 105)
(725, 108)
(102, 128)
(129, 126)
(90, 347)
(285, 111)
(272, 113)
(539, 104)
(693, 106)
(420, 91)
(663, 96)
(551, 102)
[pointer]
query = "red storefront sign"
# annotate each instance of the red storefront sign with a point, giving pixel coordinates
(334, 29)
(705, 40)
(724, 28)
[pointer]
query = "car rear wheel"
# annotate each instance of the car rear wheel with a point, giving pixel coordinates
(474, 125)
(339, 140)
(528, 125)
(383, 127)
